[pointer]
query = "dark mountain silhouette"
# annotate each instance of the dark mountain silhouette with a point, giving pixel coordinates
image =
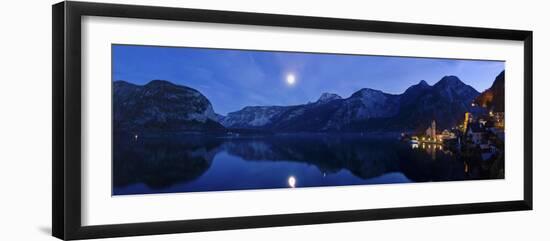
(446, 102)
(493, 98)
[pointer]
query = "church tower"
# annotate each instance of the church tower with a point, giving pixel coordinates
(434, 132)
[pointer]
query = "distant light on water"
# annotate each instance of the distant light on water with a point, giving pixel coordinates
(292, 181)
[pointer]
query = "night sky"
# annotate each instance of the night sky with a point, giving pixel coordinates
(233, 79)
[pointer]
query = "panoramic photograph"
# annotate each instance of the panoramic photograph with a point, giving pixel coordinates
(187, 119)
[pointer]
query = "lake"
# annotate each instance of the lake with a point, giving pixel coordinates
(200, 162)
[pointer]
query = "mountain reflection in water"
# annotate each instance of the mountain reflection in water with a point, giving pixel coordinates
(192, 163)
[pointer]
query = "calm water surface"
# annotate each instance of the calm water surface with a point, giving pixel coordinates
(193, 163)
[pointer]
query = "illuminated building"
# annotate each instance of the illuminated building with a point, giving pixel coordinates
(446, 134)
(431, 132)
(434, 130)
(467, 117)
(499, 119)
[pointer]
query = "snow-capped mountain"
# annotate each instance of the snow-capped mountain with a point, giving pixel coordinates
(252, 116)
(327, 97)
(161, 105)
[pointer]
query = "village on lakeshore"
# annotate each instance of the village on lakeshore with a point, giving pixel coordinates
(476, 139)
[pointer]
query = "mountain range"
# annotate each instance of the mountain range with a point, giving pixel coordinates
(161, 105)
(365, 110)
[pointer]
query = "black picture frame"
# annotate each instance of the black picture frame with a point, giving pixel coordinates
(66, 164)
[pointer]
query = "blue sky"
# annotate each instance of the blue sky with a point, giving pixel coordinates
(233, 79)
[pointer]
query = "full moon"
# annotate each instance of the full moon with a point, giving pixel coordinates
(290, 79)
